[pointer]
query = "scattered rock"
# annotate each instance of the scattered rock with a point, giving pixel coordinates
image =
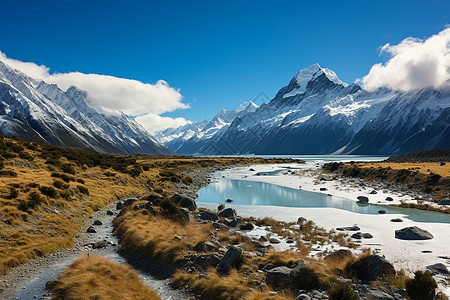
(109, 213)
(301, 220)
(129, 201)
(289, 241)
(374, 292)
(370, 267)
(252, 170)
(360, 235)
(348, 228)
(247, 226)
(228, 213)
(278, 277)
(185, 202)
(397, 220)
(91, 230)
(444, 202)
(438, 268)
(323, 189)
(232, 222)
(204, 246)
(186, 213)
(119, 205)
(274, 241)
(362, 199)
(303, 296)
(148, 206)
(206, 215)
(389, 199)
(427, 251)
(231, 259)
(373, 192)
(367, 235)
(413, 233)
(98, 222)
(382, 211)
(228, 200)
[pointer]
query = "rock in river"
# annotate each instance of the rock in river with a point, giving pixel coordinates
(362, 199)
(413, 233)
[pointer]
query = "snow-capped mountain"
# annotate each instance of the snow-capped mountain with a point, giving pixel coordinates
(36, 111)
(317, 113)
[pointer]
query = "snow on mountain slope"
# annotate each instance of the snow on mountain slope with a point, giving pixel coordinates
(37, 111)
(317, 113)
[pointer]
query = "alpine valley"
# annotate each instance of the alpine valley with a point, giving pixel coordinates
(36, 111)
(317, 113)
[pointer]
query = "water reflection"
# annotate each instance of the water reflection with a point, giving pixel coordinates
(244, 192)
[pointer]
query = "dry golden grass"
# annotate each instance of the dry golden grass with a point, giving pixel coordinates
(53, 223)
(157, 236)
(424, 168)
(98, 278)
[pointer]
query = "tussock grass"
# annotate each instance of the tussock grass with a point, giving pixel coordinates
(157, 236)
(97, 278)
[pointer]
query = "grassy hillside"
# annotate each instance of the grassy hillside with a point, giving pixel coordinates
(98, 278)
(47, 192)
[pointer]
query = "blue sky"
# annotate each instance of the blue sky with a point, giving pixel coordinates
(219, 54)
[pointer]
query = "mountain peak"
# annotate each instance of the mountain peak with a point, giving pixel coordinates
(304, 76)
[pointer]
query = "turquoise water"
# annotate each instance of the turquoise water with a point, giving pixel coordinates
(244, 192)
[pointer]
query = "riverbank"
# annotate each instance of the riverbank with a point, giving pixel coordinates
(408, 255)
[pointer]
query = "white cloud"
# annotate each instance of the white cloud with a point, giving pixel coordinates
(154, 123)
(413, 64)
(112, 93)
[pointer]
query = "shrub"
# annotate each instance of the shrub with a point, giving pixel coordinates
(49, 191)
(343, 291)
(68, 168)
(34, 199)
(172, 211)
(67, 178)
(60, 184)
(221, 207)
(83, 189)
(422, 287)
(145, 167)
(109, 174)
(187, 179)
(80, 180)
(13, 193)
(53, 161)
(10, 173)
(26, 156)
(135, 171)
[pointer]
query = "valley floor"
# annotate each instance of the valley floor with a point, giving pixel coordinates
(407, 255)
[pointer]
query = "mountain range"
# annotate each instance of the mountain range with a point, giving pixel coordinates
(36, 111)
(317, 113)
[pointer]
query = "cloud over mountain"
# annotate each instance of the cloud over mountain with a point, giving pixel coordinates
(112, 93)
(414, 64)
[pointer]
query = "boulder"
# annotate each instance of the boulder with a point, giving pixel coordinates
(438, 269)
(338, 255)
(206, 215)
(323, 189)
(367, 235)
(397, 220)
(370, 267)
(91, 230)
(204, 246)
(301, 220)
(207, 260)
(129, 201)
(278, 277)
(389, 199)
(362, 199)
(357, 235)
(109, 213)
(413, 233)
(232, 258)
(232, 222)
(185, 202)
(348, 228)
(374, 292)
(274, 241)
(381, 211)
(228, 200)
(228, 213)
(186, 213)
(444, 202)
(98, 222)
(119, 205)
